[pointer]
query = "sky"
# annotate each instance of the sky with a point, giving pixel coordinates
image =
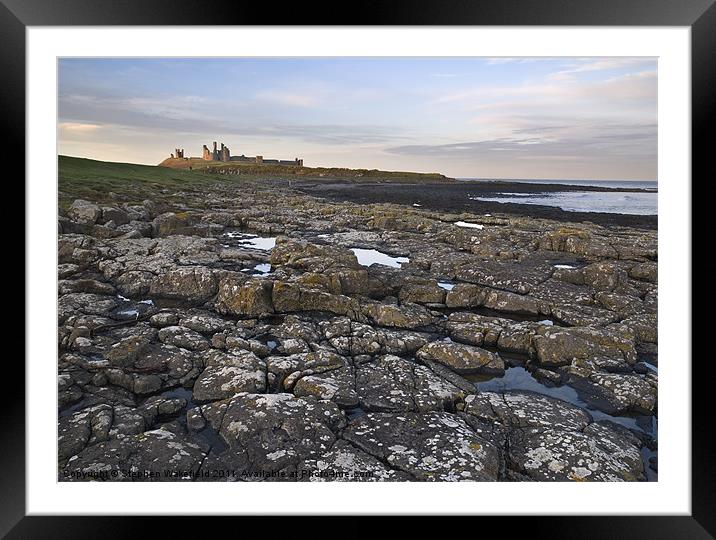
(560, 118)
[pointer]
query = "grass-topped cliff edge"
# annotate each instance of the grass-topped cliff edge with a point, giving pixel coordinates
(314, 173)
(99, 180)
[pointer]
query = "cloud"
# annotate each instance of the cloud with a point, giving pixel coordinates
(78, 127)
(616, 90)
(500, 60)
(605, 64)
(584, 143)
(287, 98)
(574, 111)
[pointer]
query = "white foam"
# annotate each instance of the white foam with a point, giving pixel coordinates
(367, 257)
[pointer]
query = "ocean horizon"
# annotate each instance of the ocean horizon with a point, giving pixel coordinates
(635, 184)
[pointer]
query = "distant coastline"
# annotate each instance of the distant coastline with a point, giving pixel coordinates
(590, 185)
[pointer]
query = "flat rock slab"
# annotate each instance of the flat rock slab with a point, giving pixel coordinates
(346, 463)
(435, 446)
(463, 359)
(616, 393)
(157, 455)
(551, 440)
(599, 453)
(394, 384)
(268, 435)
(527, 409)
(228, 374)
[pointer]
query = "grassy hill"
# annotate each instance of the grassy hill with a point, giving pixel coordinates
(314, 173)
(101, 180)
(97, 180)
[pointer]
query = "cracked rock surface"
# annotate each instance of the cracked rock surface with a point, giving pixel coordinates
(215, 335)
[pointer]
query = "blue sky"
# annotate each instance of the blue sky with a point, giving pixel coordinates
(592, 118)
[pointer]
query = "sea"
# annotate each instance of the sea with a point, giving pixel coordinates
(617, 202)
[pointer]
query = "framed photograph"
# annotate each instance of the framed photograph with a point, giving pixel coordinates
(418, 262)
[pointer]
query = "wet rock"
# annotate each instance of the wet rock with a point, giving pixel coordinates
(527, 410)
(450, 376)
(560, 346)
(117, 215)
(84, 212)
(128, 350)
(348, 368)
(206, 324)
(422, 292)
(645, 272)
(142, 457)
(576, 315)
(353, 338)
(615, 393)
(463, 359)
(136, 229)
(596, 454)
(410, 316)
(228, 374)
(250, 298)
(184, 338)
(299, 365)
(135, 284)
(394, 384)
(289, 297)
(86, 303)
(465, 295)
(191, 284)
(76, 430)
(336, 385)
(645, 327)
(164, 319)
(311, 257)
(168, 223)
(605, 276)
(157, 407)
(551, 440)
(85, 286)
(346, 463)
(435, 446)
(269, 435)
(512, 303)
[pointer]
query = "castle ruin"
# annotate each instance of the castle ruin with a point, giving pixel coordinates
(222, 153)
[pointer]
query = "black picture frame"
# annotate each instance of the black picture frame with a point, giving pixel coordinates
(699, 15)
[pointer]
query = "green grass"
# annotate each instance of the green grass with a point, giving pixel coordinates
(313, 173)
(100, 181)
(95, 180)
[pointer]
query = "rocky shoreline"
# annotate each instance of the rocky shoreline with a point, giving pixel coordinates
(235, 334)
(453, 197)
